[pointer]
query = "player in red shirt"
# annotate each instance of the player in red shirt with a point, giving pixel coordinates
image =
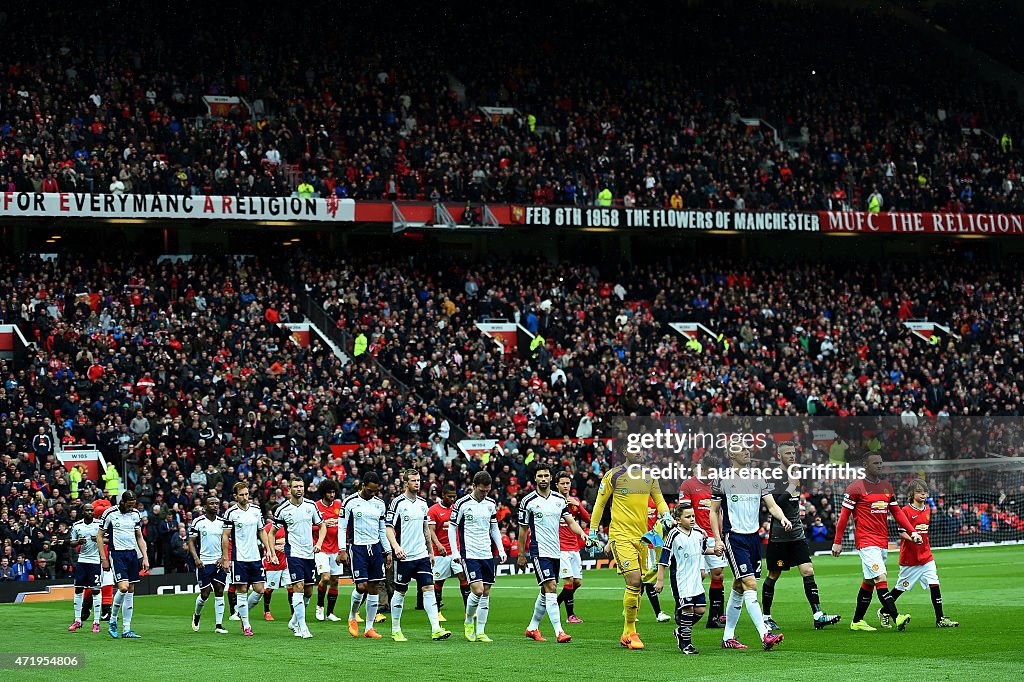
(571, 567)
(327, 566)
(917, 564)
(277, 569)
(444, 567)
(871, 500)
(699, 495)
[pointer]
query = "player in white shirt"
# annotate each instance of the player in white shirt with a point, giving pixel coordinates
(244, 534)
(407, 530)
(474, 530)
(362, 528)
(211, 563)
(686, 545)
(87, 568)
(541, 512)
(298, 516)
(121, 528)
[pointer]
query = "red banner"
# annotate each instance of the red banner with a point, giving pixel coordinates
(922, 223)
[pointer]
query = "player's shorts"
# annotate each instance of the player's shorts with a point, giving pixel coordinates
(630, 555)
(570, 566)
(783, 556)
(301, 570)
(247, 573)
(88, 575)
(480, 571)
(695, 600)
(276, 579)
(743, 550)
(711, 562)
(545, 568)
(367, 563)
(125, 563)
(872, 561)
(210, 574)
(924, 575)
(417, 569)
(327, 563)
(107, 579)
(446, 567)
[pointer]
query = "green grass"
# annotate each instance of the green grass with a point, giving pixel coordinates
(981, 589)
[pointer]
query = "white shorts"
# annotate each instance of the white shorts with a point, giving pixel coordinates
(327, 563)
(925, 575)
(570, 566)
(872, 561)
(711, 561)
(445, 567)
(107, 579)
(277, 579)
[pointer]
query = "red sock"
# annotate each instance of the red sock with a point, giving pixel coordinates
(879, 586)
(108, 594)
(333, 591)
(717, 583)
(864, 586)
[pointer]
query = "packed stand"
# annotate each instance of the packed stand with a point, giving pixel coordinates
(657, 116)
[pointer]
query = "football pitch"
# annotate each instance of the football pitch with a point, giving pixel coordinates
(982, 588)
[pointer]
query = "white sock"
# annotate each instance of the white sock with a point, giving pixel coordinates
(96, 602)
(115, 609)
(732, 614)
(253, 600)
(242, 609)
(481, 613)
(754, 609)
(554, 612)
(471, 606)
(300, 609)
(397, 604)
(129, 607)
(307, 600)
(218, 608)
(78, 606)
(430, 606)
(357, 600)
(538, 612)
(200, 603)
(372, 601)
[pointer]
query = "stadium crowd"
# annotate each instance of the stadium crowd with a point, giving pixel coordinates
(182, 377)
(666, 116)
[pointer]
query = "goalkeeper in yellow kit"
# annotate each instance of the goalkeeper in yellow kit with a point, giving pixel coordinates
(628, 491)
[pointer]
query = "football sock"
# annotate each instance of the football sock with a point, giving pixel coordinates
(200, 603)
(115, 611)
(936, 601)
(768, 595)
(482, 609)
(95, 612)
(570, 600)
(630, 604)
(78, 606)
(266, 600)
(471, 606)
(554, 612)
(397, 606)
(732, 615)
(430, 606)
(539, 607)
(464, 589)
(321, 592)
(218, 609)
(108, 595)
(242, 609)
(252, 600)
(87, 602)
(129, 609)
(686, 621)
(888, 604)
(811, 592)
(372, 602)
(652, 596)
(863, 602)
(332, 600)
(357, 601)
(299, 609)
(419, 599)
(232, 599)
(754, 609)
(716, 596)
(291, 603)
